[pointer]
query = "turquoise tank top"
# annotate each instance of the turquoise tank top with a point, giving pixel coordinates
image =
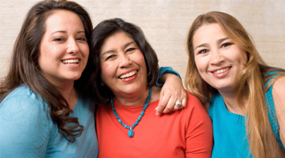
(230, 139)
(271, 110)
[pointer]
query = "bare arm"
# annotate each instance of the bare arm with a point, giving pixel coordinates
(171, 91)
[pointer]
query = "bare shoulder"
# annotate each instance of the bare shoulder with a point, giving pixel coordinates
(280, 80)
(279, 86)
(278, 92)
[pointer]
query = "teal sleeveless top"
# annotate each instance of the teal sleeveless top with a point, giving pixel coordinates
(229, 130)
(271, 110)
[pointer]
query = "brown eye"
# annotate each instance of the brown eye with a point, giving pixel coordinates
(110, 57)
(226, 44)
(82, 39)
(59, 39)
(203, 51)
(130, 49)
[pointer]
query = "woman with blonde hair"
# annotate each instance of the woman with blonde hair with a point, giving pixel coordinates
(243, 95)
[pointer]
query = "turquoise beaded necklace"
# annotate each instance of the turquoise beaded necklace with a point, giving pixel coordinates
(131, 132)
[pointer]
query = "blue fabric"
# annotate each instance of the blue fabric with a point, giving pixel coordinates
(229, 131)
(271, 110)
(27, 131)
(230, 139)
(164, 70)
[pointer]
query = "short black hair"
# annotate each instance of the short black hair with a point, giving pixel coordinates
(104, 30)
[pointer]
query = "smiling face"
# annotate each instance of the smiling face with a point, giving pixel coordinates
(123, 67)
(218, 59)
(64, 49)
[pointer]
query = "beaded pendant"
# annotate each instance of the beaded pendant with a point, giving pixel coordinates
(131, 132)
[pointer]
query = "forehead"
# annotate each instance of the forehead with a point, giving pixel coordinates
(207, 34)
(209, 29)
(63, 19)
(117, 39)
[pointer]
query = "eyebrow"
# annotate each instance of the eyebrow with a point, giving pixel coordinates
(223, 39)
(110, 51)
(126, 45)
(218, 42)
(61, 31)
(201, 45)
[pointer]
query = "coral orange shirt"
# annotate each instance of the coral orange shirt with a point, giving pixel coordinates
(184, 133)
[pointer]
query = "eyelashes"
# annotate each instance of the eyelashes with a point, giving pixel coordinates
(224, 45)
(113, 53)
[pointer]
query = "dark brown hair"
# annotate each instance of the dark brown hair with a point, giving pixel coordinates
(24, 68)
(106, 29)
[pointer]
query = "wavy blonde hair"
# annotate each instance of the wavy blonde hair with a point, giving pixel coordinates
(253, 77)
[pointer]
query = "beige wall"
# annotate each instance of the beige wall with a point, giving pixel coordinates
(165, 24)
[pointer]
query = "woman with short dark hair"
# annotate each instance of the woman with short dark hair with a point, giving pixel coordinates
(127, 68)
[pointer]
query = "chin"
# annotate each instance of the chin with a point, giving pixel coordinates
(74, 77)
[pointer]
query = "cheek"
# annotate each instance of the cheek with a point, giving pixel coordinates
(244, 59)
(86, 51)
(238, 54)
(243, 62)
(51, 52)
(43, 58)
(240, 57)
(200, 64)
(138, 58)
(142, 61)
(106, 71)
(103, 70)
(86, 56)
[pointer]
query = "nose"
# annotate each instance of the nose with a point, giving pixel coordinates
(217, 57)
(125, 60)
(72, 46)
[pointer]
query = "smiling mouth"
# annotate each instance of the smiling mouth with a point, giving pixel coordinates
(130, 74)
(71, 61)
(221, 70)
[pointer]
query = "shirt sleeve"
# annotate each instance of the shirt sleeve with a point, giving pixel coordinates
(199, 136)
(164, 70)
(24, 127)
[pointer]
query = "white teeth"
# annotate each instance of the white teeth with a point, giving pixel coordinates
(71, 61)
(221, 70)
(128, 75)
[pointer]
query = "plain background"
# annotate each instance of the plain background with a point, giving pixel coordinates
(165, 24)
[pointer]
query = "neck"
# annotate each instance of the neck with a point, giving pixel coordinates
(69, 94)
(131, 132)
(230, 99)
(133, 99)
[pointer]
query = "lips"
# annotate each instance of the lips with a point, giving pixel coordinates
(220, 70)
(129, 74)
(71, 61)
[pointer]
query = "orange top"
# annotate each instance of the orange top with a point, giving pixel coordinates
(184, 133)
